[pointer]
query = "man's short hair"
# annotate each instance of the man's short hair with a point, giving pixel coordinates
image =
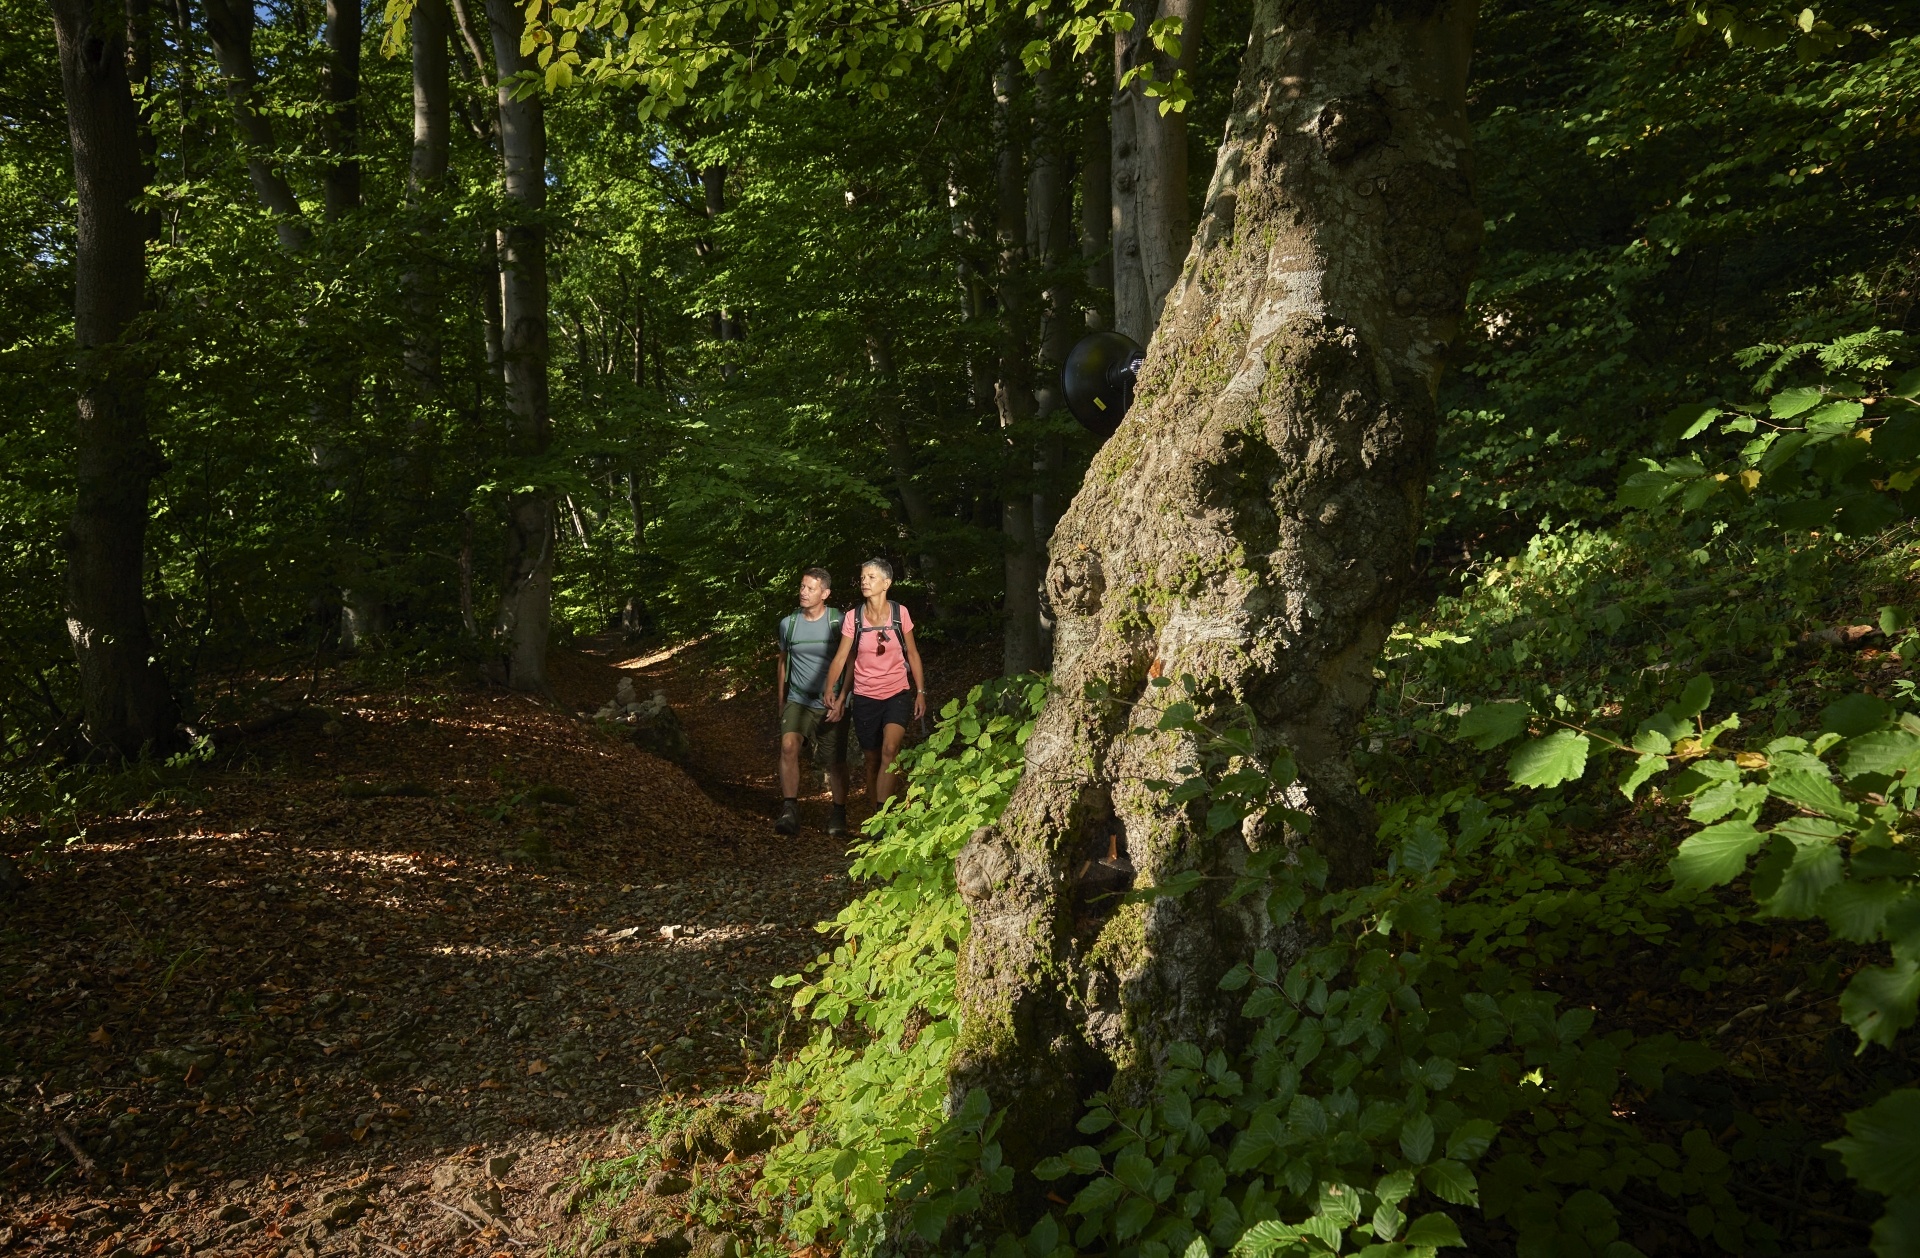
(880, 566)
(819, 574)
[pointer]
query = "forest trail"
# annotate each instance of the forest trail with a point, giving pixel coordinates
(400, 970)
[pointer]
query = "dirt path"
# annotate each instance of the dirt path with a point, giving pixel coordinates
(395, 974)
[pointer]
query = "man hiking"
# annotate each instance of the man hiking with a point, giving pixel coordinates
(809, 638)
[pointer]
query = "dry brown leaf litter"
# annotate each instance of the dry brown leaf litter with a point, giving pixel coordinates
(433, 936)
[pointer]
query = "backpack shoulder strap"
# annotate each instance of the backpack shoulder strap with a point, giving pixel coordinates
(898, 635)
(787, 625)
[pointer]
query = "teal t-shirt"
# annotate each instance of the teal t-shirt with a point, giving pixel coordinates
(809, 647)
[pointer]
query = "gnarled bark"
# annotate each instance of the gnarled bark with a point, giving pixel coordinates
(126, 703)
(1251, 524)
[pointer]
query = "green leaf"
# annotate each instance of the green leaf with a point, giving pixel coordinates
(1636, 775)
(1559, 757)
(1816, 866)
(1470, 1139)
(1451, 1182)
(1814, 792)
(1854, 715)
(1487, 725)
(1416, 1138)
(1881, 1149)
(1879, 1002)
(1433, 1230)
(1716, 855)
(1855, 911)
(1693, 700)
(1790, 402)
(1689, 420)
(1890, 752)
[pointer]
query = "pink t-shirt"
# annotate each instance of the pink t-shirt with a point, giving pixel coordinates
(880, 667)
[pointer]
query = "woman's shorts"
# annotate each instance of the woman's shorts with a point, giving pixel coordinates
(872, 716)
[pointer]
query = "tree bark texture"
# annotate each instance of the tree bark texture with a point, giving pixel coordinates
(526, 600)
(230, 26)
(426, 171)
(342, 82)
(1013, 385)
(1251, 524)
(127, 705)
(1149, 171)
(1096, 214)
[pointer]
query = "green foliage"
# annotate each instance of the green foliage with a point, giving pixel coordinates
(871, 1082)
(1840, 452)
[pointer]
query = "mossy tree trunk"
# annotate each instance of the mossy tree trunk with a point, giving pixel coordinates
(1252, 524)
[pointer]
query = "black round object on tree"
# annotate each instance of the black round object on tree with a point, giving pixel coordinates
(1099, 379)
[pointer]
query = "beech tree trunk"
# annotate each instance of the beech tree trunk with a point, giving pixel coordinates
(1013, 385)
(342, 81)
(1252, 524)
(1151, 230)
(429, 30)
(127, 705)
(526, 600)
(230, 27)
(1096, 214)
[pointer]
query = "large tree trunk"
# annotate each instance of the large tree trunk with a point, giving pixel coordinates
(1013, 387)
(526, 601)
(230, 26)
(1251, 524)
(1149, 171)
(127, 704)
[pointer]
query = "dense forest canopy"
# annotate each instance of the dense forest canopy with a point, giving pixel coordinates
(1543, 375)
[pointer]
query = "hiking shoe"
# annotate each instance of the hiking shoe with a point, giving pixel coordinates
(837, 821)
(789, 822)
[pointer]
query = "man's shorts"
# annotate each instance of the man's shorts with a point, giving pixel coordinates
(827, 739)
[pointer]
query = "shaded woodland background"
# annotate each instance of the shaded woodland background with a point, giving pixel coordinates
(776, 333)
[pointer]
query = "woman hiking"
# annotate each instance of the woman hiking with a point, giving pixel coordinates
(889, 684)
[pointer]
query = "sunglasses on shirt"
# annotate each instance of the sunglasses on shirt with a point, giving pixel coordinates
(881, 649)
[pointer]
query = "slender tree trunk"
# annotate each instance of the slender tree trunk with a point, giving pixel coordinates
(426, 172)
(1051, 201)
(342, 81)
(230, 26)
(1251, 524)
(1161, 195)
(127, 704)
(1129, 282)
(487, 277)
(526, 601)
(893, 426)
(1096, 214)
(1013, 387)
(1151, 233)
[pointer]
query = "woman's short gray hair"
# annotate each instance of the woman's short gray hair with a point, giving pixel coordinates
(880, 566)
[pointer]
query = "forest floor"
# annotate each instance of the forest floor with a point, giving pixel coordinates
(386, 978)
